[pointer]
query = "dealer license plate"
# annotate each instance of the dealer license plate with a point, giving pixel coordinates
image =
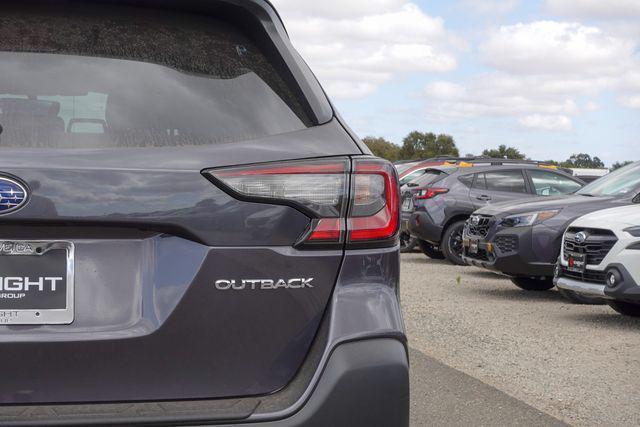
(36, 282)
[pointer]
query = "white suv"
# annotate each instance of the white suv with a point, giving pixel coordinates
(601, 257)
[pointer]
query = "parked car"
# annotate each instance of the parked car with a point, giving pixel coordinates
(190, 234)
(404, 165)
(600, 258)
(418, 168)
(436, 205)
(522, 239)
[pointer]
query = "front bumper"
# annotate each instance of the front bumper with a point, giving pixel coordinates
(625, 290)
(509, 252)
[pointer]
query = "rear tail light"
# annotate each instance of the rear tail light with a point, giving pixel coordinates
(375, 205)
(321, 190)
(429, 193)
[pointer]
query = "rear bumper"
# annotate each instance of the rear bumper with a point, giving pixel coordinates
(421, 225)
(363, 383)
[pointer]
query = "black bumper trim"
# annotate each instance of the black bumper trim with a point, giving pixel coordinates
(363, 383)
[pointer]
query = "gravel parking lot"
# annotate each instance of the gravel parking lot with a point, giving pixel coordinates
(578, 364)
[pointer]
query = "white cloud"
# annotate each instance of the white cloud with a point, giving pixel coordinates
(591, 106)
(599, 9)
(337, 9)
(489, 7)
(542, 71)
(355, 46)
(556, 47)
(630, 101)
(546, 122)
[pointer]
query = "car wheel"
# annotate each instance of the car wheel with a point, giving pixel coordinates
(452, 243)
(529, 284)
(576, 298)
(430, 250)
(626, 308)
(407, 242)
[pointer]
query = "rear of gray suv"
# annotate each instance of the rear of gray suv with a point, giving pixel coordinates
(190, 235)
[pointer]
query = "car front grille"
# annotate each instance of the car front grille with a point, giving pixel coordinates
(479, 225)
(506, 243)
(589, 276)
(596, 246)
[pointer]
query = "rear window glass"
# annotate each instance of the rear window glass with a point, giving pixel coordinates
(126, 77)
(429, 176)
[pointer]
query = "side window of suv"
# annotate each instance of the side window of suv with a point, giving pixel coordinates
(466, 180)
(510, 181)
(549, 184)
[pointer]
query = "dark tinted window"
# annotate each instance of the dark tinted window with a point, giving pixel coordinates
(511, 181)
(124, 77)
(549, 184)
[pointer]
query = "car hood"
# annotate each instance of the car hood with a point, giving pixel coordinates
(575, 203)
(618, 216)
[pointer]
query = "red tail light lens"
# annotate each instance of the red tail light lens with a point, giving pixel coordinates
(375, 206)
(320, 189)
(429, 193)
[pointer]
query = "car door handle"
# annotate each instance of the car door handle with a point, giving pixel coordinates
(484, 198)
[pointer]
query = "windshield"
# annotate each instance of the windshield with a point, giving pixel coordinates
(622, 182)
(144, 80)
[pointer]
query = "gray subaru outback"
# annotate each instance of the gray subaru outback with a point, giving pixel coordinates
(190, 233)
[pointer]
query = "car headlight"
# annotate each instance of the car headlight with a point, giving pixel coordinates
(528, 219)
(634, 231)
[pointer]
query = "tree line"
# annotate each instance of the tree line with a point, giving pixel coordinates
(425, 145)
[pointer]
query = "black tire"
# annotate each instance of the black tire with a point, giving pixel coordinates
(407, 242)
(430, 250)
(576, 298)
(452, 243)
(625, 308)
(529, 284)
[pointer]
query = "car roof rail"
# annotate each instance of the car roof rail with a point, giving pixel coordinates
(491, 161)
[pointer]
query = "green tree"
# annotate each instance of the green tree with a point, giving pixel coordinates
(504, 152)
(618, 165)
(420, 145)
(383, 148)
(583, 160)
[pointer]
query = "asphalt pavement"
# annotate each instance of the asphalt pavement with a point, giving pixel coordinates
(487, 353)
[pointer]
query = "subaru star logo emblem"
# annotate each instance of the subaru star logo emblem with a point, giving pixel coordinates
(581, 237)
(13, 195)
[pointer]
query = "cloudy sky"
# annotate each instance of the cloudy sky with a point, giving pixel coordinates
(551, 77)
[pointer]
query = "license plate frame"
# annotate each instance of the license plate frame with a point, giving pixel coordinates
(35, 315)
(577, 262)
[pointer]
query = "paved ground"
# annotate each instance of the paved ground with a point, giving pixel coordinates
(443, 396)
(579, 364)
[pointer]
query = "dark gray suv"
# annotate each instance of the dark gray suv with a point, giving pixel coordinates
(436, 206)
(190, 234)
(522, 239)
